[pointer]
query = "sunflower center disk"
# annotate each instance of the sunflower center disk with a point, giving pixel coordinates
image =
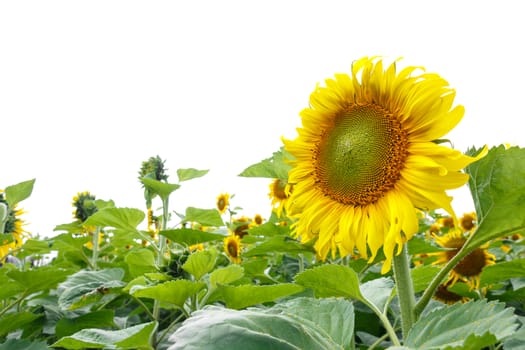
(360, 157)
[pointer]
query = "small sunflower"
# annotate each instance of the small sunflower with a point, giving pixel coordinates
(241, 225)
(470, 267)
(366, 158)
(258, 219)
(153, 168)
(13, 226)
(468, 221)
(232, 248)
(280, 191)
(84, 205)
(448, 297)
(223, 202)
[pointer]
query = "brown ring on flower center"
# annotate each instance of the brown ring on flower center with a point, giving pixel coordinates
(361, 155)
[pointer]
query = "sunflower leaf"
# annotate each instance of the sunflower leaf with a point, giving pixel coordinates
(14, 194)
(226, 275)
(135, 337)
(23, 344)
(189, 237)
(119, 218)
(205, 217)
(502, 271)
(190, 173)
(279, 244)
(162, 189)
(217, 328)
(497, 184)
(14, 321)
(274, 167)
(140, 261)
(239, 297)
(331, 281)
(200, 263)
(480, 322)
(174, 292)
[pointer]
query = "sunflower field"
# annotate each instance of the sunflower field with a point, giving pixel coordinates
(360, 247)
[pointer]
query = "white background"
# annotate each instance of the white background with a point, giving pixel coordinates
(90, 89)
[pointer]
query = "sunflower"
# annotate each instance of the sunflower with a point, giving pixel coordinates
(447, 296)
(232, 248)
(280, 191)
(13, 226)
(84, 204)
(469, 269)
(468, 221)
(223, 202)
(241, 225)
(258, 219)
(367, 156)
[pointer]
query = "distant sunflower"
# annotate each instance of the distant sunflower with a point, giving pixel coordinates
(241, 225)
(280, 191)
(258, 219)
(448, 297)
(468, 221)
(223, 202)
(470, 267)
(84, 205)
(13, 226)
(232, 248)
(366, 158)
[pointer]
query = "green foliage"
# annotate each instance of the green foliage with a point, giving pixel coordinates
(190, 173)
(239, 297)
(274, 167)
(297, 324)
(135, 337)
(188, 237)
(173, 292)
(462, 325)
(205, 217)
(17, 193)
(120, 218)
(497, 183)
(331, 281)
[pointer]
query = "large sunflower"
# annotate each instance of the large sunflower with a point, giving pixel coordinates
(366, 157)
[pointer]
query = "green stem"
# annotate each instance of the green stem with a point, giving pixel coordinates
(386, 323)
(405, 290)
(94, 256)
(160, 256)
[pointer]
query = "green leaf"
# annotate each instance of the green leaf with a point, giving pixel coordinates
(190, 173)
(205, 217)
(274, 167)
(269, 229)
(186, 236)
(23, 344)
(516, 341)
(239, 297)
(136, 337)
(86, 287)
(162, 189)
(96, 319)
(41, 279)
(497, 183)
(378, 291)
(216, 328)
(34, 247)
(14, 194)
(331, 281)
(459, 324)
(226, 275)
(201, 262)
(12, 322)
(502, 271)
(422, 276)
(279, 244)
(174, 292)
(119, 218)
(334, 316)
(140, 261)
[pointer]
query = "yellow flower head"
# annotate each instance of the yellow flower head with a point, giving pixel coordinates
(468, 221)
(84, 206)
(365, 159)
(470, 267)
(279, 193)
(223, 202)
(241, 225)
(258, 219)
(13, 226)
(232, 248)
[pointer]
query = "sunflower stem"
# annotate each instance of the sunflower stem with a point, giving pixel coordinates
(405, 290)
(94, 255)
(160, 256)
